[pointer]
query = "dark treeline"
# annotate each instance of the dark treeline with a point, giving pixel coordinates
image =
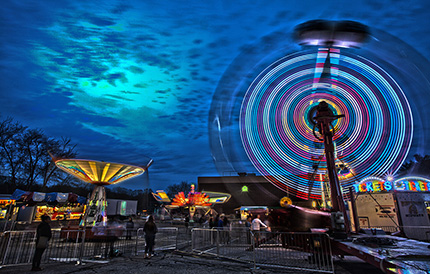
(174, 189)
(25, 158)
(419, 166)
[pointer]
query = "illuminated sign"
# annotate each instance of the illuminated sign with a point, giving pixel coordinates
(244, 189)
(123, 208)
(415, 184)
(6, 202)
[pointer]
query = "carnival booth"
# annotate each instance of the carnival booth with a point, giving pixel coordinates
(30, 206)
(395, 205)
(5, 206)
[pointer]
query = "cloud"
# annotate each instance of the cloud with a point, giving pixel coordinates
(126, 80)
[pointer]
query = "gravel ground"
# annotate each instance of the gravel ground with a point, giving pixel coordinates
(180, 262)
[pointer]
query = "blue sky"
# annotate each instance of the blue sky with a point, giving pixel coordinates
(132, 80)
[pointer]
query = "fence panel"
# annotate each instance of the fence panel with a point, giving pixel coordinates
(234, 243)
(300, 251)
(293, 250)
(204, 240)
(64, 246)
(165, 239)
(17, 247)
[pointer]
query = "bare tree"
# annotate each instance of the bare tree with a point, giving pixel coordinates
(57, 149)
(420, 165)
(10, 154)
(34, 147)
(174, 189)
(24, 154)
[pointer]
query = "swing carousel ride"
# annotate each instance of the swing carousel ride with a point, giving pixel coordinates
(99, 174)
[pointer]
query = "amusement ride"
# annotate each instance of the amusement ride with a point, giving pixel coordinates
(99, 174)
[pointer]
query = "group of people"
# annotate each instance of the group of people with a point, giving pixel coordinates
(44, 234)
(219, 221)
(256, 224)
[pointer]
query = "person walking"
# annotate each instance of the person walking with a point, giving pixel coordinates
(220, 223)
(43, 235)
(150, 230)
(256, 225)
(129, 226)
(248, 229)
(187, 222)
(211, 222)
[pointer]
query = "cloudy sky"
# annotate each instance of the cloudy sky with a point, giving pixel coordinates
(132, 80)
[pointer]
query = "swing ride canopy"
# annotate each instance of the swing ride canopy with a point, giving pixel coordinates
(99, 172)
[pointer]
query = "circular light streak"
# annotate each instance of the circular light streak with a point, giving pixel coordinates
(276, 122)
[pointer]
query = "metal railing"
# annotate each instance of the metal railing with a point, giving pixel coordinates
(18, 247)
(290, 250)
(386, 229)
(294, 250)
(421, 233)
(413, 232)
(166, 239)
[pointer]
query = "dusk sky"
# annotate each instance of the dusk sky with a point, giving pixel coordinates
(128, 81)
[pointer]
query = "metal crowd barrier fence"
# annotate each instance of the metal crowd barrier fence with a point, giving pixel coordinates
(299, 251)
(18, 247)
(165, 239)
(290, 250)
(226, 242)
(421, 233)
(294, 250)
(64, 246)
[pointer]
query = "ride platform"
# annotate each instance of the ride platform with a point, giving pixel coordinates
(391, 254)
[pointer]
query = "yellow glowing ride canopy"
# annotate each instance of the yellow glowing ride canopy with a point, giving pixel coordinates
(99, 173)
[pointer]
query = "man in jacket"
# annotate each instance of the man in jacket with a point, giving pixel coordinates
(43, 235)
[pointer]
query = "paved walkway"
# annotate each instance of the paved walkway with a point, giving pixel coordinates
(176, 262)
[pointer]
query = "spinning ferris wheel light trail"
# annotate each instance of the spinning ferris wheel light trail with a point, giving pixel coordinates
(276, 116)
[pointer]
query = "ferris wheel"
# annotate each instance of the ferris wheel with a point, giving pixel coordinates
(272, 112)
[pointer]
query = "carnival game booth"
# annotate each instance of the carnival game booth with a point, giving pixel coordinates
(5, 205)
(30, 206)
(395, 205)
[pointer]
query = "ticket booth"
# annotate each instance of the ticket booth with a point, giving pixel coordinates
(395, 205)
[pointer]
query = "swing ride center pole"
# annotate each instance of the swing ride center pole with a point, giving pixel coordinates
(324, 118)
